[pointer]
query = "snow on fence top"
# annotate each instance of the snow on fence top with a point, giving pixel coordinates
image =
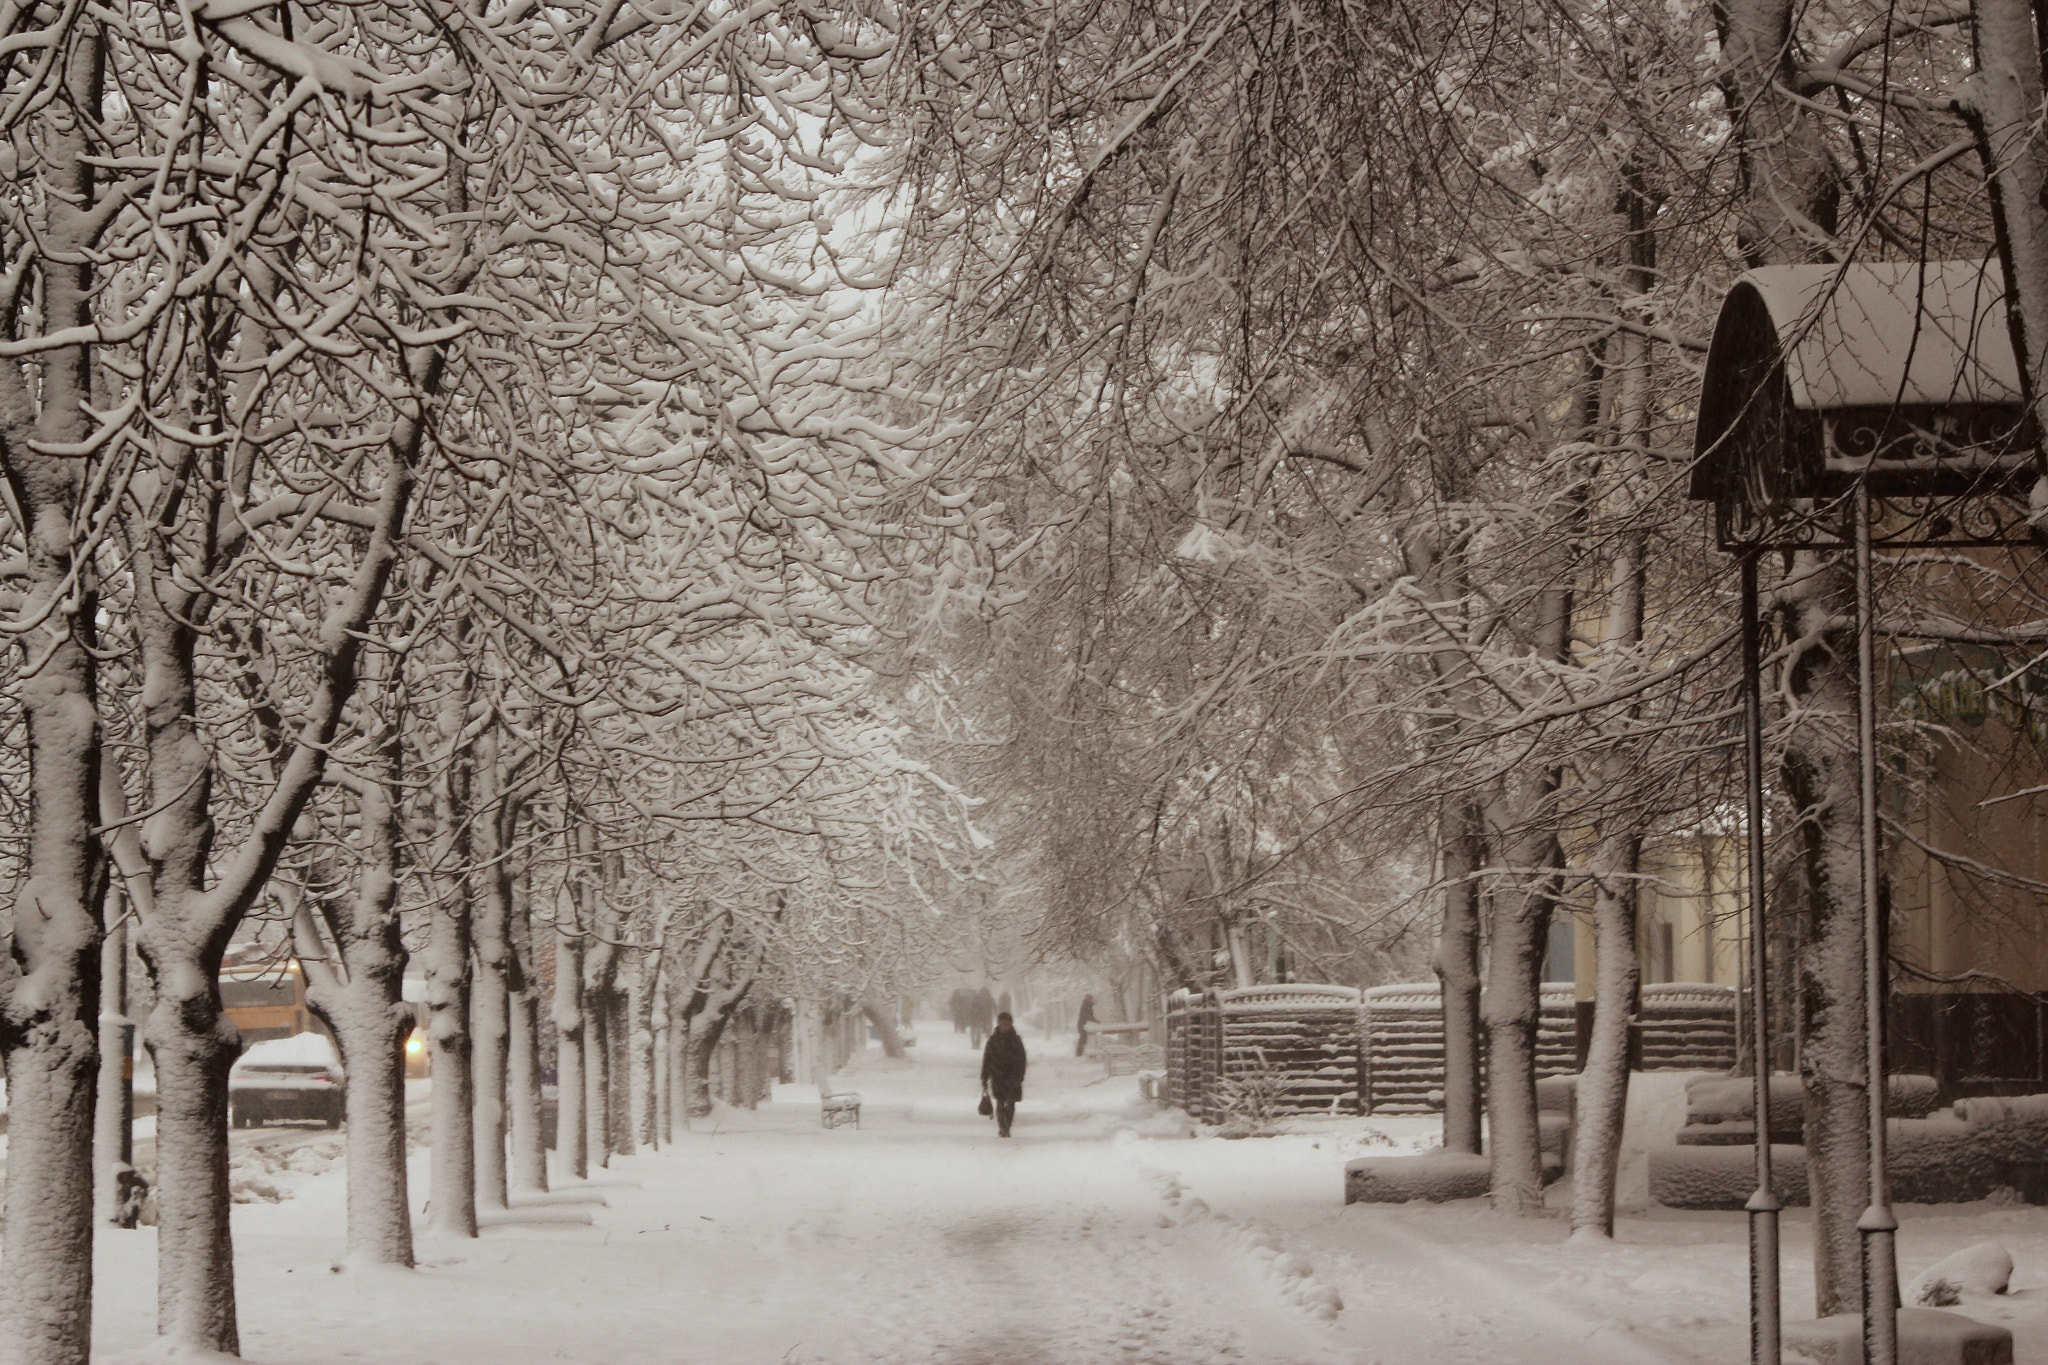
(1290, 997)
(1677, 993)
(1428, 995)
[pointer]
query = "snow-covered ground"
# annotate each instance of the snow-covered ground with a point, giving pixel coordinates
(1100, 1233)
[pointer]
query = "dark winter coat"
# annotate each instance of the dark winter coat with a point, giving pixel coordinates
(1002, 1065)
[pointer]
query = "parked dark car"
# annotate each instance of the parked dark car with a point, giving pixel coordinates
(287, 1078)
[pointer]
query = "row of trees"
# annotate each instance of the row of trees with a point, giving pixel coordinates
(459, 505)
(465, 482)
(1336, 365)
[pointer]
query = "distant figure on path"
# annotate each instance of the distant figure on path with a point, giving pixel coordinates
(1087, 1018)
(984, 1015)
(1002, 1071)
(962, 1006)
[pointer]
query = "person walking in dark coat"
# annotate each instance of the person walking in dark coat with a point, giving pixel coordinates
(1081, 1025)
(1002, 1071)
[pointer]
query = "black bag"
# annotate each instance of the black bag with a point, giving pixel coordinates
(987, 1107)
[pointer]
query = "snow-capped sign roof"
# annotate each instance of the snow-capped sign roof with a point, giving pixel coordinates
(1884, 333)
(1897, 374)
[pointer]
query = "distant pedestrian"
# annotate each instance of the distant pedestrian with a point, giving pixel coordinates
(1087, 1018)
(961, 1006)
(1002, 1071)
(984, 1015)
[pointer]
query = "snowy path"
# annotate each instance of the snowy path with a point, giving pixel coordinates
(1096, 1235)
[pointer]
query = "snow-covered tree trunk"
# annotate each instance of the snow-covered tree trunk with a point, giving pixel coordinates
(490, 1026)
(572, 1148)
(49, 1011)
(1520, 824)
(1788, 207)
(598, 962)
(643, 986)
(705, 1032)
(192, 1045)
(451, 1181)
(499, 974)
(1457, 971)
(529, 1168)
(116, 1196)
(618, 1024)
(1821, 780)
(192, 1042)
(1601, 1103)
(664, 1073)
(878, 1013)
(1514, 965)
(2002, 102)
(360, 995)
(678, 1065)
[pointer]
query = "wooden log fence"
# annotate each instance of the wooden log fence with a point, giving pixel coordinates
(1335, 1050)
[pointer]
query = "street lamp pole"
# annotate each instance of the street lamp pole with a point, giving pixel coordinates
(1764, 1311)
(1878, 1226)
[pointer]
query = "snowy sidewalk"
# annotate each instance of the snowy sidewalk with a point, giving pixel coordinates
(1090, 1237)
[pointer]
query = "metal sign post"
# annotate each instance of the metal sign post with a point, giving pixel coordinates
(1764, 1308)
(1848, 408)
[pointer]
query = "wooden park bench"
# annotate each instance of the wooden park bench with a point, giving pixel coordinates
(1122, 1048)
(835, 1110)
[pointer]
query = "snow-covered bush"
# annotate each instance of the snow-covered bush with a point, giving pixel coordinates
(1253, 1100)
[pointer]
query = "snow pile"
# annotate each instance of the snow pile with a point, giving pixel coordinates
(272, 1173)
(1985, 1268)
(1436, 1177)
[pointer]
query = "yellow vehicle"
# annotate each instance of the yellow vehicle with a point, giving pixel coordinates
(266, 1000)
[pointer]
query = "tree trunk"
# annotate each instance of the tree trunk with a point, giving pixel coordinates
(646, 1100)
(451, 1181)
(192, 1045)
(679, 1069)
(597, 1081)
(1790, 187)
(664, 1084)
(1821, 780)
(361, 1000)
(884, 1020)
(498, 971)
(1457, 970)
(118, 1193)
(1521, 827)
(49, 1012)
(371, 1033)
(490, 1017)
(705, 1032)
(572, 1148)
(1521, 922)
(2002, 104)
(619, 1071)
(1602, 1098)
(529, 1169)
(360, 995)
